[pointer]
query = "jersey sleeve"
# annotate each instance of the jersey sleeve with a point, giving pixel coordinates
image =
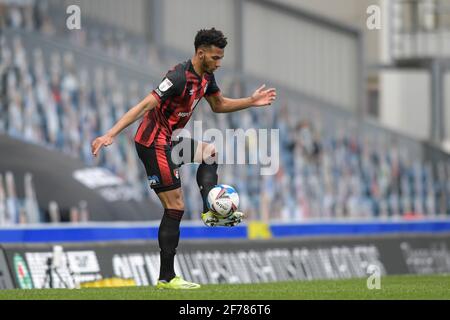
(213, 89)
(171, 86)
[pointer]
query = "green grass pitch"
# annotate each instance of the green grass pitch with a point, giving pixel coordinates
(392, 287)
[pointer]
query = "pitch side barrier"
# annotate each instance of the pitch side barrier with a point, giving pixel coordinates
(93, 232)
(338, 251)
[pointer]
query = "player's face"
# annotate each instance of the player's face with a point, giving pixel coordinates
(211, 58)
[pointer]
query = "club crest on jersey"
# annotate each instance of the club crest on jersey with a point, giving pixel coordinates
(165, 85)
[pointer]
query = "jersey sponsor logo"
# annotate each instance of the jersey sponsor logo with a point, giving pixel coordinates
(165, 85)
(153, 180)
(184, 114)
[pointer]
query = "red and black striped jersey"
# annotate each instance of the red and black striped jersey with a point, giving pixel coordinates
(178, 95)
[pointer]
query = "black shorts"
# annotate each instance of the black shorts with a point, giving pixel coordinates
(163, 170)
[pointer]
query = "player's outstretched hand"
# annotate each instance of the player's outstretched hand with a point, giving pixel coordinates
(98, 143)
(263, 97)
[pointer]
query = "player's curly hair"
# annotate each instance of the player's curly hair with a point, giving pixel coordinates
(208, 37)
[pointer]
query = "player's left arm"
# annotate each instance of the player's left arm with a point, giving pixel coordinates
(259, 98)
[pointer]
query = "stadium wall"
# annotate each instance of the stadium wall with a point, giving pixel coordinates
(404, 101)
(231, 261)
(130, 15)
(447, 110)
(326, 55)
(177, 15)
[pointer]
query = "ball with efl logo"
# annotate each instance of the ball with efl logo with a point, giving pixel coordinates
(223, 200)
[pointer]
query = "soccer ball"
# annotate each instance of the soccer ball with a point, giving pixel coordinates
(223, 200)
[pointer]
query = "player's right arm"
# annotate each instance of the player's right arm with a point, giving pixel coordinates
(135, 113)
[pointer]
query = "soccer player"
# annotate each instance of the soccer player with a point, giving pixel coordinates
(167, 108)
